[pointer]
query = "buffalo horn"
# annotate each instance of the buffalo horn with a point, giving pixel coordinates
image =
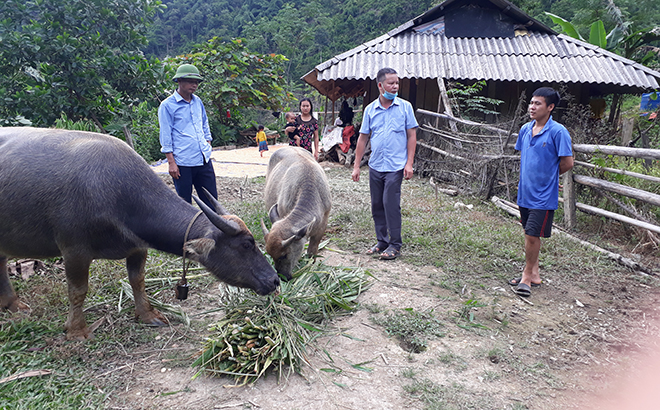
(218, 208)
(305, 230)
(273, 215)
(287, 241)
(299, 235)
(263, 228)
(228, 227)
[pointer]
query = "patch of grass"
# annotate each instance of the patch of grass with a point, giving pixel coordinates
(28, 345)
(411, 327)
(450, 359)
(465, 318)
(495, 355)
(490, 376)
(374, 308)
(409, 373)
(451, 397)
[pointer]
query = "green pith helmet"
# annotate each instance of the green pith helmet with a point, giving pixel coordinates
(187, 71)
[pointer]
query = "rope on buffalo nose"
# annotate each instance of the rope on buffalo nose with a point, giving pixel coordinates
(181, 290)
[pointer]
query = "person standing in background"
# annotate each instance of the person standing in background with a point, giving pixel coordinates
(390, 124)
(185, 137)
(308, 128)
(545, 153)
(262, 140)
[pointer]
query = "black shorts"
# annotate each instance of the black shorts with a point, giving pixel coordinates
(536, 222)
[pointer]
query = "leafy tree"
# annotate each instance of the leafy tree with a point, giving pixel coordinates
(467, 102)
(236, 78)
(292, 32)
(306, 32)
(636, 45)
(77, 57)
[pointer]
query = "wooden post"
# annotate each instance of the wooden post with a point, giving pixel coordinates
(570, 216)
(645, 144)
(444, 98)
(325, 112)
(627, 131)
(332, 119)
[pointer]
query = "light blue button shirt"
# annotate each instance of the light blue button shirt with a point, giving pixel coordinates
(389, 138)
(184, 130)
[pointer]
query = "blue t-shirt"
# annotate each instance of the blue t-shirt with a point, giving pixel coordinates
(184, 130)
(538, 187)
(388, 129)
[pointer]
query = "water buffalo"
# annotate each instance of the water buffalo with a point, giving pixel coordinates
(297, 196)
(88, 196)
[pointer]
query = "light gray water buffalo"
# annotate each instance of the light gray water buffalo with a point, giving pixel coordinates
(297, 196)
(88, 196)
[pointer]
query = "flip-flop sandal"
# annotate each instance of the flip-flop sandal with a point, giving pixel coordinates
(523, 290)
(374, 250)
(390, 254)
(516, 281)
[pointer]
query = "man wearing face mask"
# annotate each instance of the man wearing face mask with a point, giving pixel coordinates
(389, 124)
(185, 137)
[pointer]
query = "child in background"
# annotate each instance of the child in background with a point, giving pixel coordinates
(261, 140)
(291, 122)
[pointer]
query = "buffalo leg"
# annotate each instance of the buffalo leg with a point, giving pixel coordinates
(313, 247)
(8, 298)
(135, 266)
(77, 279)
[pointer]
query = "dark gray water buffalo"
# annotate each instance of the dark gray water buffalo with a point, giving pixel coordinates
(88, 196)
(298, 198)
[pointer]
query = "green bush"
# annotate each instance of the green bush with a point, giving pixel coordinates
(81, 125)
(145, 132)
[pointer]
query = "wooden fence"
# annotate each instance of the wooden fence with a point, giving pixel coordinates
(571, 178)
(501, 150)
(488, 156)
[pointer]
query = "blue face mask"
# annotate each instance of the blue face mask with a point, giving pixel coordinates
(390, 96)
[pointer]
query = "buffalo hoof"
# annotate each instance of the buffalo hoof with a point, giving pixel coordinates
(79, 334)
(154, 318)
(15, 305)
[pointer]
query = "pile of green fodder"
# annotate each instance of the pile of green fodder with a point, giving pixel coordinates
(262, 332)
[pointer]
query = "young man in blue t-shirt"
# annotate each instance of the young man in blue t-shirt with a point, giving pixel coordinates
(545, 153)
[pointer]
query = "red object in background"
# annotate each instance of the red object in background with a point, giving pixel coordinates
(653, 115)
(346, 134)
(228, 113)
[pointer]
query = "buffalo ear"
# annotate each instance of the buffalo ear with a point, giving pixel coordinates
(273, 215)
(199, 247)
(302, 232)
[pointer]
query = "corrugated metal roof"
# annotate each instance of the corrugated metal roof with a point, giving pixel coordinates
(536, 57)
(531, 58)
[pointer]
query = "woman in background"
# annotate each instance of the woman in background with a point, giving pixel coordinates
(308, 127)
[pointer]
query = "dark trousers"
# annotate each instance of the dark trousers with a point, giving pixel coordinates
(385, 188)
(202, 176)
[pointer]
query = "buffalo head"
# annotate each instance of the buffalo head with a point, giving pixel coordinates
(284, 242)
(230, 252)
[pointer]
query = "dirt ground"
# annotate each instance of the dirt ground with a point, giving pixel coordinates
(236, 163)
(572, 347)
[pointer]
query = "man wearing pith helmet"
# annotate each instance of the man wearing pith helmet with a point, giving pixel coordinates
(185, 137)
